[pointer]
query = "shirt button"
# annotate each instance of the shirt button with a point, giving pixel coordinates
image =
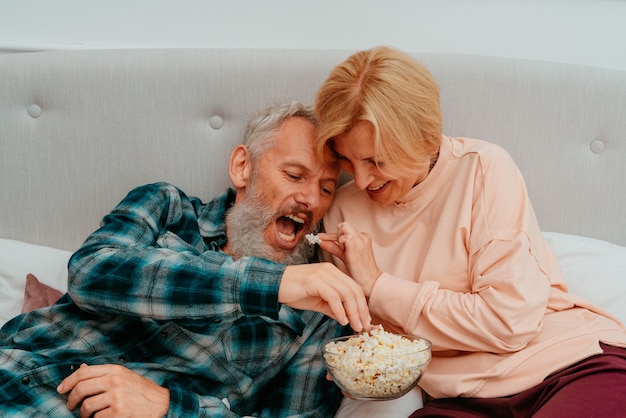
(122, 359)
(217, 321)
(25, 380)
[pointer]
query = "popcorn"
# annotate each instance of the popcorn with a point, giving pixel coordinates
(313, 239)
(377, 364)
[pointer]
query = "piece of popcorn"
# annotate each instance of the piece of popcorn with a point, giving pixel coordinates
(313, 239)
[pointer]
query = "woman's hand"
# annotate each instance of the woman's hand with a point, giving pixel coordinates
(354, 248)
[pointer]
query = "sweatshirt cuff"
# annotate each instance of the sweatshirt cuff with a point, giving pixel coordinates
(397, 300)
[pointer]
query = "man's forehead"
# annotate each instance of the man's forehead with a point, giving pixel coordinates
(297, 128)
(295, 147)
(295, 140)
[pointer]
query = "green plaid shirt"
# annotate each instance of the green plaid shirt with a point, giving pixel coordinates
(152, 291)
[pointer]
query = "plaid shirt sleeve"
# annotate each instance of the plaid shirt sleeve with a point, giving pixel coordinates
(149, 259)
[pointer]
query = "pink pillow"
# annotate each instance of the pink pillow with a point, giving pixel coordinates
(38, 295)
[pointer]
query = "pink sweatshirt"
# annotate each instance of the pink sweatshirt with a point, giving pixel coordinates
(466, 267)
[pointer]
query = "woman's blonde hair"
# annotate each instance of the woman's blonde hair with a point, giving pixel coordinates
(392, 91)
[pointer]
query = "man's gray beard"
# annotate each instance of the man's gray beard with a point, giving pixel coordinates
(246, 222)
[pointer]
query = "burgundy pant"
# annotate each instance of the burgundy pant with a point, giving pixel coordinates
(594, 387)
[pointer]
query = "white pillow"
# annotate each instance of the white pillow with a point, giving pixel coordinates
(593, 269)
(17, 259)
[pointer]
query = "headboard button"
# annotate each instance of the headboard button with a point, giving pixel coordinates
(597, 146)
(34, 111)
(216, 122)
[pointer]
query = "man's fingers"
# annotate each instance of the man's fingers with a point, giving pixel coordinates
(82, 393)
(347, 302)
(354, 303)
(72, 380)
(111, 390)
(358, 314)
(98, 403)
(340, 314)
(83, 383)
(323, 287)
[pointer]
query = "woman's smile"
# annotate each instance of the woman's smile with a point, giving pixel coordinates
(378, 189)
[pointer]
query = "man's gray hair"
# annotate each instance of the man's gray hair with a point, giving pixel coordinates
(262, 130)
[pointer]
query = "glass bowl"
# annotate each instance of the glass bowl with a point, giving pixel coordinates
(376, 365)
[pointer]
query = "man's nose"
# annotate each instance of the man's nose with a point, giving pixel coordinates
(309, 196)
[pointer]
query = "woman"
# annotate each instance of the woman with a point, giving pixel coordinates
(442, 237)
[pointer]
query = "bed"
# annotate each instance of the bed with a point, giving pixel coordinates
(79, 129)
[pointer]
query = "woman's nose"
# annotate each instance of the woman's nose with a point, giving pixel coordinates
(361, 178)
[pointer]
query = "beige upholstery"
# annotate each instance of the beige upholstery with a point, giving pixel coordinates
(79, 129)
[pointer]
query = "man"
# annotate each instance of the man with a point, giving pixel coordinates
(181, 308)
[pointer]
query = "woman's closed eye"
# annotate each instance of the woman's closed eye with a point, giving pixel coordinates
(373, 162)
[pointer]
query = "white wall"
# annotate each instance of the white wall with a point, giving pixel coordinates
(591, 32)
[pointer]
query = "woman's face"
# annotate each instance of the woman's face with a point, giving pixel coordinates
(356, 153)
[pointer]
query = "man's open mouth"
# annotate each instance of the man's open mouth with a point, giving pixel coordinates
(289, 226)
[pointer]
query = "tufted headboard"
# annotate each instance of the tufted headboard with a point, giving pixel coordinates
(79, 129)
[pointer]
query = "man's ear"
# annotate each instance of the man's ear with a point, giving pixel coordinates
(240, 167)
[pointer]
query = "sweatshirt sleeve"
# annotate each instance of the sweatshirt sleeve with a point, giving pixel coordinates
(506, 286)
(502, 313)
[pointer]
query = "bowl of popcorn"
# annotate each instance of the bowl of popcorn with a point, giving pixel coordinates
(376, 365)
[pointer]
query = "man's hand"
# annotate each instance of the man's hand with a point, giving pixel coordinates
(114, 391)
(322, 287)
